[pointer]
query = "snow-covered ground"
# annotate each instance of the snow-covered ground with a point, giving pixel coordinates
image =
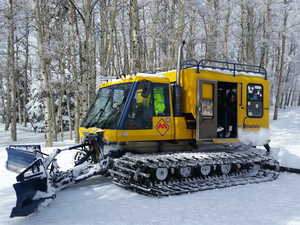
(97, 201)
(285, 136)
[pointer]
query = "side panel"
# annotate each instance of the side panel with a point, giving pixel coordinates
(181, 130)
(206, 119)
(163, 129)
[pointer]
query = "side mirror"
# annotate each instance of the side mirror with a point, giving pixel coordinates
(147, 88)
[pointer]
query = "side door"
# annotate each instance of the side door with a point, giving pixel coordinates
(206, 109)
(149, 115)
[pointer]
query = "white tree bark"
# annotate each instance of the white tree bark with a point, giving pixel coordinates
(135, 64)
(281, 62)
(11, 69)
(45, 60)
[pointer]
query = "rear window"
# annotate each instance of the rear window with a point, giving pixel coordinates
(255, 100)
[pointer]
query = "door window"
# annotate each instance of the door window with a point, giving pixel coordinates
(207, 103)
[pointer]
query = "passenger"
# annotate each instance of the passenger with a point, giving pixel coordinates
(159, 103)
(231, 115)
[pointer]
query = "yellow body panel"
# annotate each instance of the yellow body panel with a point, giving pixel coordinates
(181, 130)
(225, 140)
(162, 129)
(138, 77)
(92, 130)
(175, 128)
(108, 135)
(189, 79)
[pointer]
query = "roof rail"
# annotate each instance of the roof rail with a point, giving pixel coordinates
(224, 65)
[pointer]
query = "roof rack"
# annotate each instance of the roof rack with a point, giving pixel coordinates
(235, 68)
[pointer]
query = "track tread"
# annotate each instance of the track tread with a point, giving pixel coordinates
(136, 163)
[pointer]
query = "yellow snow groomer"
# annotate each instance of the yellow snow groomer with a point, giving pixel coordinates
(191, 129)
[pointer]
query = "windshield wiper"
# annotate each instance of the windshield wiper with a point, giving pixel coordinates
(101, 111)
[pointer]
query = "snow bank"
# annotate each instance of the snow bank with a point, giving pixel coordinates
(285, 137)
(286, 158)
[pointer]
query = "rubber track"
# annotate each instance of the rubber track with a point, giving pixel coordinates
(127, 171)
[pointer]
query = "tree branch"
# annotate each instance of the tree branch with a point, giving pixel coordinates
(75, 7)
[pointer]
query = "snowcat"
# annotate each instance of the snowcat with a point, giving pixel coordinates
(191, 129)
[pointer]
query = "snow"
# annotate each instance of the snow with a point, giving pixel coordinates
(285, 136)
(231, 72)
(98, 201)
(254, 138)
(150, 75)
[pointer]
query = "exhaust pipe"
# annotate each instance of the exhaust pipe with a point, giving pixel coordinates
(179, 63)
(177, 87)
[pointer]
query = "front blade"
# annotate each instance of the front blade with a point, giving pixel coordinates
(30, 194)
(32, 189)
(21, 156)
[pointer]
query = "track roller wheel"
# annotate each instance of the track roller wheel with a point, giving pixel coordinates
(185, 172)
(205, 170)
(161, 173)
(254, 168)
(237, 167)
(225, 169)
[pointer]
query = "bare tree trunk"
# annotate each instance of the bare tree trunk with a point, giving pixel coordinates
(69, 114)
(179, 31)
(19, 91)
(7, 106)
(280, 78)
(103, 37)
(135, 64)
(266, 34)
(226, 31)
(211, 29)
(73, 32)
(12, 75)
(110, 37)
(153, 50)
(59, 116)
(45, 60)
(2, 97)
(126, 67)
(289, 99)
(26, 67)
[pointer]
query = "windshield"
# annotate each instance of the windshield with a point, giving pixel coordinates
(107, 108)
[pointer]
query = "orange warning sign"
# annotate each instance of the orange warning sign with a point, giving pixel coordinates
(162, 127)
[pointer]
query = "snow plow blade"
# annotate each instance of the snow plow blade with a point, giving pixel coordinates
(21, 156)
(37, 184)
(26, 192)
(31, 189)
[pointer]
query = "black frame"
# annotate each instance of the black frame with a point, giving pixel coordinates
(224, 65)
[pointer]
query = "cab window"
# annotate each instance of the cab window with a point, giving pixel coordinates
(150, 100)
(141, 110)
(161, 100)
(255, 100)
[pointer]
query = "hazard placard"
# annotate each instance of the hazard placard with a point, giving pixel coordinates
(162, 127)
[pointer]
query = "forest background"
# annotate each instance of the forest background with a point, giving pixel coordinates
(54, 53)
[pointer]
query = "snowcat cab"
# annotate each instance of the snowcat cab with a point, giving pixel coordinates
(162, 134)
(220, 102)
